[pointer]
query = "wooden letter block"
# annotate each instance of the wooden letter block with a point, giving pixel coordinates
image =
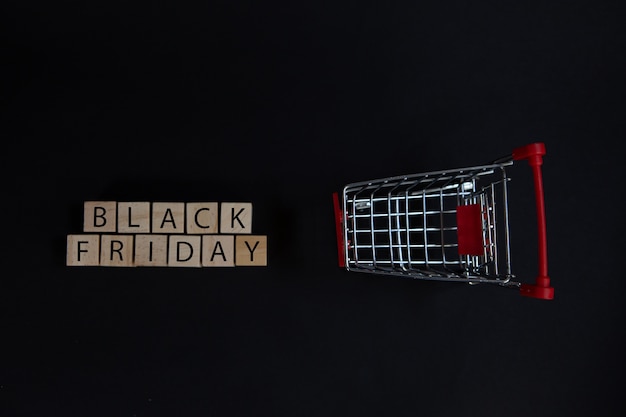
(184, 250)
(236, 218)
(116, 250)
(151, 250)
(133, 217)
(202, 218)
(99, 216)
(218, 250)
(250, 250)
(83, 250)
(168, 217)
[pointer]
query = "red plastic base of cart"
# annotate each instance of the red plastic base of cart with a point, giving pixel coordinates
(541, 289)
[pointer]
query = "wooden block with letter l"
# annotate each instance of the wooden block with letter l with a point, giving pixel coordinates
(133, 217)
(250, 250)
(83, 250)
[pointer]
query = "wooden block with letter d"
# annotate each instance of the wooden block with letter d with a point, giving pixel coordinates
(250, 250)
(184, 250)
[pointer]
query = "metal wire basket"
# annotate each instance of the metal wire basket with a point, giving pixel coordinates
(449, 225)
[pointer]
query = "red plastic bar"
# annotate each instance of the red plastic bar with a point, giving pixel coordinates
(469, 229)
(541, 289)
(339, 229)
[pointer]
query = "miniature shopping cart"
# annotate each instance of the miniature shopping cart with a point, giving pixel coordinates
(450, 225)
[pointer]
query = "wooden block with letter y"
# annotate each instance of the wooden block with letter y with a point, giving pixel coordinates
(250, 250)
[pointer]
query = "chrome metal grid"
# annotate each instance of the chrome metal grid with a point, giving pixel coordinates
(407, 225)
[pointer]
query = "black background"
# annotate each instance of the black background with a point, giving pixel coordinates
(281, 104)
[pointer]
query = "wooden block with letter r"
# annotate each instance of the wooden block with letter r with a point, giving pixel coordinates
(116, 250)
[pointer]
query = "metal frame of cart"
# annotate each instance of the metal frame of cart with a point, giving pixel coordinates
(449, 225)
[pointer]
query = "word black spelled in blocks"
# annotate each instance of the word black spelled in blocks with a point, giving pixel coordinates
(166, 234)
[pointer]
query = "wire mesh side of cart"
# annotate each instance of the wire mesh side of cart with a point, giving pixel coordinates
(443, 225)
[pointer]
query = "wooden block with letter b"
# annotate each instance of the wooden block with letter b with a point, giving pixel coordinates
(100, 216)
(250, 250)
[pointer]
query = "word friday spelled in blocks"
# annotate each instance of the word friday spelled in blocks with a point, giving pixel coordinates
(166, 234)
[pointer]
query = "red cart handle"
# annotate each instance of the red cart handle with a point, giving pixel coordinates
(541, 289)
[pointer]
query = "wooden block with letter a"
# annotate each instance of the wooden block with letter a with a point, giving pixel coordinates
(250, 250)
(218, 250)
(168, 217)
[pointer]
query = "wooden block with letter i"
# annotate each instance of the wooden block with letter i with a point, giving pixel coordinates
(250, 250)
(151, 250)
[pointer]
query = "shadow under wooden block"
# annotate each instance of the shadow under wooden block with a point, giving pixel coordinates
(236, 218)
(218, 250)
(250, 250)
(168, 217)
(116, 250)
(83, 250)
(184, 250)
(151, 250)
(100, 216)
(133, 217)
(202, 218)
